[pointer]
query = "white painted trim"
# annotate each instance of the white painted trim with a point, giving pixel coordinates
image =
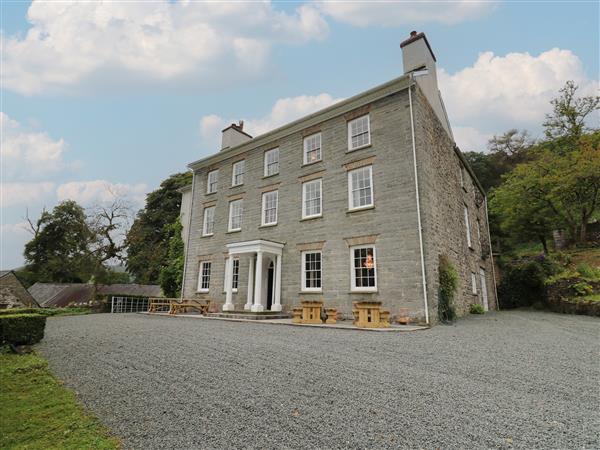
(303, 287)
(305, 152)
(418, 201)
(233, 166)
(304, 185)
(229, 222)
(350, 122)
(187, 244)
(208, 183)
(353, 287)
(204, 221)
(370, 205)
(255, 246)
(468, 226)
(200, 271)
(262, 219)
(265, 173)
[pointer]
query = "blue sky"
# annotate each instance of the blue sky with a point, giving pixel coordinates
(100, 98)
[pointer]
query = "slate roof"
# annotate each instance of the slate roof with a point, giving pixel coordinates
(60, 295)
(64, 294)
(135, 290)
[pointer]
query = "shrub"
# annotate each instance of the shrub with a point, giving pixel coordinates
(13, 311)
(582, 288)
(448, 286)
(522, 284)
(476, 308)
(588, 272)
(22, 329)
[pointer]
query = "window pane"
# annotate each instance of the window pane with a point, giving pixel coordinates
(360, 187)
(312, 270)
(270, 207)
(364, 267)
(272, 162)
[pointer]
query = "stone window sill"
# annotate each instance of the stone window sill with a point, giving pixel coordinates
(306, 219)
(233, 231)
(268, 225)
(359, 148)
(364, 208)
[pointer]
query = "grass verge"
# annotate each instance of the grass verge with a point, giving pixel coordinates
(37, 412)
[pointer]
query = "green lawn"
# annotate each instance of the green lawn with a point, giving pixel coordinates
(37, 412)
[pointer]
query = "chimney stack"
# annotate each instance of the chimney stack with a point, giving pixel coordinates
(419, 60)
(234, 135)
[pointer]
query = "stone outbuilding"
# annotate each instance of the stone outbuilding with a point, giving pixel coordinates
(12, 292)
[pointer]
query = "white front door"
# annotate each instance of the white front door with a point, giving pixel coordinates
(483, 289)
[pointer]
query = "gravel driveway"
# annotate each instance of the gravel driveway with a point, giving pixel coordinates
(503, 380)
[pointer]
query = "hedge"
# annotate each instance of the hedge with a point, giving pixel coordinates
(22, 329)
(15, 311)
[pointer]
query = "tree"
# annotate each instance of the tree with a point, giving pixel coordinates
(110, 223)
(512, 144)
(171, 275)
(553, 190)
(569, 114)
(148, 239)
(522, 216)
(59, 250)
(505, 151)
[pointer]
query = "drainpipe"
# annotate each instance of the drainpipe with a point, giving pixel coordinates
(187, 243)
(414, 152)
(487, 218)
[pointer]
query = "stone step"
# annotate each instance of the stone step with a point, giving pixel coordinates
(267, 315)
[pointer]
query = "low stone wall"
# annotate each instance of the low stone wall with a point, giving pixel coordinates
(562, 298)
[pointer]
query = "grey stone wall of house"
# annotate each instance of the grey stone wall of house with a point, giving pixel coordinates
(392, 223)
(443, 199)
(13, 294)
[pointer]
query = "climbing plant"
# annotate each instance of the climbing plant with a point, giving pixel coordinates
(448, 287)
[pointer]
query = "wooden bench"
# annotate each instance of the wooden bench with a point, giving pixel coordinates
(368, 314)
(159, 305)
(311, 311)
(183, 306)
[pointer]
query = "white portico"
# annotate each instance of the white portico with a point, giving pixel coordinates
(264, 275)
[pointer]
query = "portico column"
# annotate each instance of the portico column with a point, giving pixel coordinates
(277, 291)
(228, 306)
(248, 304)
(257, 306)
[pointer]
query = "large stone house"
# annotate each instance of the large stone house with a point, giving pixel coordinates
(357, 201)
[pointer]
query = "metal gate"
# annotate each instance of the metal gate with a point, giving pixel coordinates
(129, 304)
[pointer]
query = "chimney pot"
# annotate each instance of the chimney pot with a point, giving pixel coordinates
(413, 33)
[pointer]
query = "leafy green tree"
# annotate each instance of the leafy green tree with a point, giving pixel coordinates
(569, 114)
(148, 239)
(171, 275)
(59, 251)
(553, 190)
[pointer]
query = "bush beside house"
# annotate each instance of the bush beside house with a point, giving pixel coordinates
(552, 283)
(22, 329)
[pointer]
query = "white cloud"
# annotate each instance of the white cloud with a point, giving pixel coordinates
(284, 110)
(512, 91)
(22, 194)
(27, 153)
(88, 193)
(70, 43)
(365, 13)
(14, 228)
(470, 139)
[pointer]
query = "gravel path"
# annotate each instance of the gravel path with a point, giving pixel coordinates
(503, 380)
